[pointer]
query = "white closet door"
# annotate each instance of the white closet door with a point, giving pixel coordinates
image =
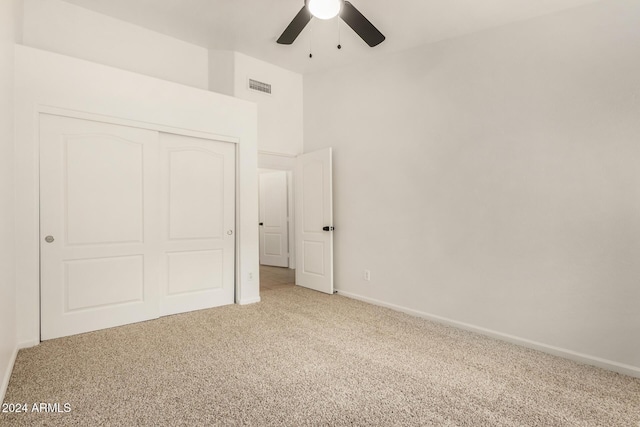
(134, 225)
(198, 223)
(99, 231)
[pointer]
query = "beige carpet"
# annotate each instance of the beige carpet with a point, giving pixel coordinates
(301, 358)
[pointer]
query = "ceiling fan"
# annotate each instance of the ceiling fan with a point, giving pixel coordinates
(327, 9)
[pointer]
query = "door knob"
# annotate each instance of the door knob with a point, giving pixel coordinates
(229, 232)
(262, 223)
(328, 228)
(49, 239)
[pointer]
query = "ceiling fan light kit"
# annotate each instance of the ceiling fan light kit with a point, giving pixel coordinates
(327, 9)
(324, 9)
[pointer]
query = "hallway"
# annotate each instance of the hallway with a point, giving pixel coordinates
(272, 278)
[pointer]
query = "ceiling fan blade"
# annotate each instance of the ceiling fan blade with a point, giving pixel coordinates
(361, 25)
(296, 26)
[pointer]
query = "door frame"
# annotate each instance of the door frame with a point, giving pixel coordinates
(75, 88)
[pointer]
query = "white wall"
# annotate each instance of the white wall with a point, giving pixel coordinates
(493, 180)
(9, 28)
(222, 71)
(71, 30)
(279, 114)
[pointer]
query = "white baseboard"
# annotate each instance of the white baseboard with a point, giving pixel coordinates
(7, 375)
(249, 301)
(610, 365)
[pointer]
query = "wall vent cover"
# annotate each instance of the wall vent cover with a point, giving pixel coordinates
(259, 86)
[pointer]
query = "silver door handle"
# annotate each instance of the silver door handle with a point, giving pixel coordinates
(49, 239)
(229, 232)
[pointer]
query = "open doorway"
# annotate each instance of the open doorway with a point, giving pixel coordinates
(276, 232)
(312, 215)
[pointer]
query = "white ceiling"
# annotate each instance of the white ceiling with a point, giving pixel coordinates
(252, 26)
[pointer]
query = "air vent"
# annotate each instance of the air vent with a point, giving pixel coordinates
(259, 86)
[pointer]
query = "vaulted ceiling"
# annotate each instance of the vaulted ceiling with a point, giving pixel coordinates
(252, 26)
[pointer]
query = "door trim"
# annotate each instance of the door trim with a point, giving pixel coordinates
(64, 112)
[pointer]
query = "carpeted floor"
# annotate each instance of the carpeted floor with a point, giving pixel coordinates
(301, 358)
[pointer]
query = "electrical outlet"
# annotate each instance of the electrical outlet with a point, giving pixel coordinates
(367, 275)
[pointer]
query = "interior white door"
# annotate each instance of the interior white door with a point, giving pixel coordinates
(198, 223)
(274, 224)
(98, 229)
(314, 221)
